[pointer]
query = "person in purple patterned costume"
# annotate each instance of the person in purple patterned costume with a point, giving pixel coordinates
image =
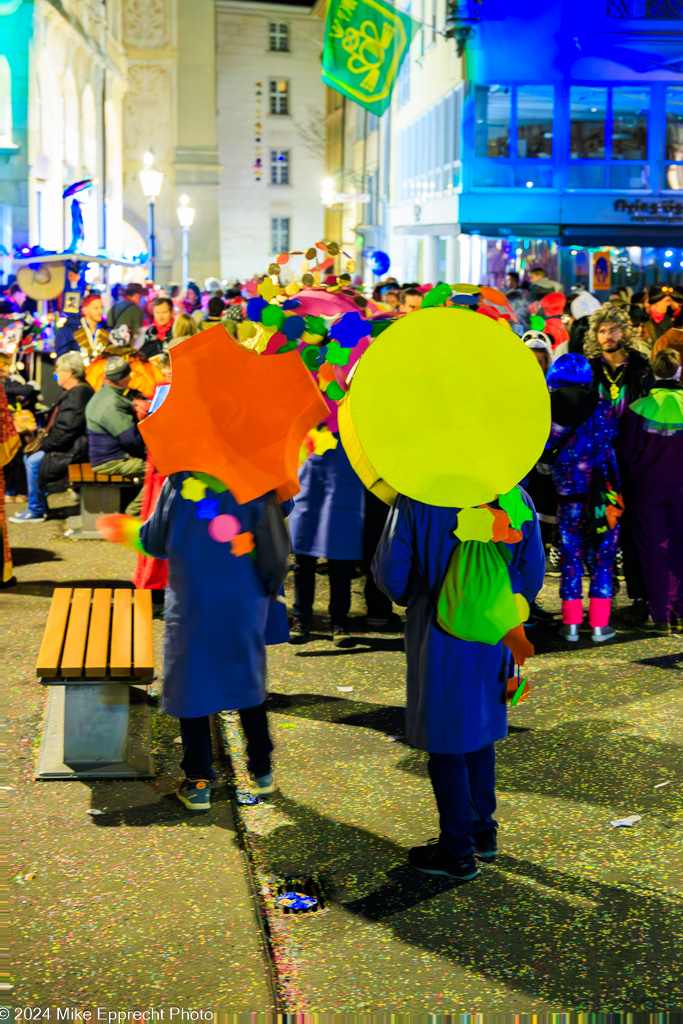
(579, 452)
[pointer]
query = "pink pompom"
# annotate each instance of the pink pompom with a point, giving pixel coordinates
(224, 528)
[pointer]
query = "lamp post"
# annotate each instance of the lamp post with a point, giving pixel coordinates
(151, 182)
(186, 218)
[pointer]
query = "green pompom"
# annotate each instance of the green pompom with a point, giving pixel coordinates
(273, 316)
(536, 323)
(335, 391)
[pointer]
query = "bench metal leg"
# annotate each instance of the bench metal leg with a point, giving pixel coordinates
(96, 500)
(98, 730)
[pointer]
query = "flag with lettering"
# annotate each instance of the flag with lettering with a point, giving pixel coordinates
(365, 44)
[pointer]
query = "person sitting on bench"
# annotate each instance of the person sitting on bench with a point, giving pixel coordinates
(114, 441)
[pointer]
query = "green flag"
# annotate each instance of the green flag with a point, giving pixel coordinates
(365, 43)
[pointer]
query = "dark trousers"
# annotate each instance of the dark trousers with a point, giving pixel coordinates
(658, 532)
(197, 753)
(376, 512)
(465, 789)
(633, 570)
(340, 572)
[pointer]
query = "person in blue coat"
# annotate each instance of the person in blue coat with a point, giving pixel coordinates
(217, 610)
(326, 522)
(456, 689)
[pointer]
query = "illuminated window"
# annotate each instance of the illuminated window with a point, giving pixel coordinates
(279, 96)
(609, 137)
(492, 120)
(673, 144)
(534, 121)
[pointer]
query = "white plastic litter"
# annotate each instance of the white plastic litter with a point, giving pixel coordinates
(627, 822)
(345, 689)
(178, 740)
(93, 810)
(660, 784)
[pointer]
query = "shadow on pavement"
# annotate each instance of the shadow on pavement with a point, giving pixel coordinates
(31, 556)
(568, 940)
(44, 588)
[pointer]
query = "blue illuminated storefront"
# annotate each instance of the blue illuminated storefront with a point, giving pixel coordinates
(569, 138)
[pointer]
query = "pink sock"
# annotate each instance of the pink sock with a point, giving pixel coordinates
(572, 612)
(598, 611)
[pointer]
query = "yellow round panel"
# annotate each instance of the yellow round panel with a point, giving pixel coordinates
(449, 407)
(357, 457)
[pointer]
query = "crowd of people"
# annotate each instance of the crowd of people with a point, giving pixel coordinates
(108, 367)
(605, 500)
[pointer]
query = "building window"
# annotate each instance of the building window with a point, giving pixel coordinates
(535, 121)
(279, 167)
(5, 103)
(673, 143)
(609, 137)
(588, 109)
(279, 96)
(279, 234)
(492, 120)
(404, 70)
(278, 36)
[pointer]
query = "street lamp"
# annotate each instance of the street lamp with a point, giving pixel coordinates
(151, 182)
(186, 217)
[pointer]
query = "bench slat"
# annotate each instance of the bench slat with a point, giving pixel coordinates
(75, 473)
(53, 637)
(88, 475)
(121, 634)
(96, 657)
(143, 647)
(76, 634)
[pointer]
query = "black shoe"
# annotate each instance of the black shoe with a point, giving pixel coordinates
(656, 628)
(639, 610)
(486, 845)
(538, 614)
(299, 632)
(553, 562)
(432, 859)
(341, 636)
(391, 624)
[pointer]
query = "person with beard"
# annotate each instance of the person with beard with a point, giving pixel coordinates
(621, 375)
(580, 457)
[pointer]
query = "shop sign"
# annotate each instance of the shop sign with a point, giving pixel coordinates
(646, 211)
(602, 271)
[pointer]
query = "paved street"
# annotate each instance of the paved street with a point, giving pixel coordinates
(145, 906)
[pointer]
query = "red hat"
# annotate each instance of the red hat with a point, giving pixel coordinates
(90, 298)
(553, 304)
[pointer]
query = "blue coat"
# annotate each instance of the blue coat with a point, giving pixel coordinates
(216, 604)
(327, 519)
(455, 688)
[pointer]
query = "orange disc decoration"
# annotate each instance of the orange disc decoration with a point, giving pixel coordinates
(282, 258)
(248, 416)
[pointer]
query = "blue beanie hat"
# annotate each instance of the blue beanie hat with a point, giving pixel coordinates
(568, 371)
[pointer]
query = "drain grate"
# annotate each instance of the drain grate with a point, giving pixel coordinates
(308, 890)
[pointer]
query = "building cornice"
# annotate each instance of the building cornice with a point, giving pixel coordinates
(249, 7)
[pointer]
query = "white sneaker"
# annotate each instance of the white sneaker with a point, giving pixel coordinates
(570, 633)
(602, 633)
(27, 517)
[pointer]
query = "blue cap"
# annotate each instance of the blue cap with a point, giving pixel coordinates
(568, 371)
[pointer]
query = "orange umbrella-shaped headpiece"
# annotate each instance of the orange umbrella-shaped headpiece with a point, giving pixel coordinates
(235, 416)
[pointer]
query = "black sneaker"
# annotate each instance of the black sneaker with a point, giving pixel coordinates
(639, 610)
(341, 636)
(432, 859)
(538, 614)
(299, 632)
(391, 624)
(655, 628)
(553, 562)
(486, 845)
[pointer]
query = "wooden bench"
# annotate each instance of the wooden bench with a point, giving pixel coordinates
(99, 495)
(97, 658)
